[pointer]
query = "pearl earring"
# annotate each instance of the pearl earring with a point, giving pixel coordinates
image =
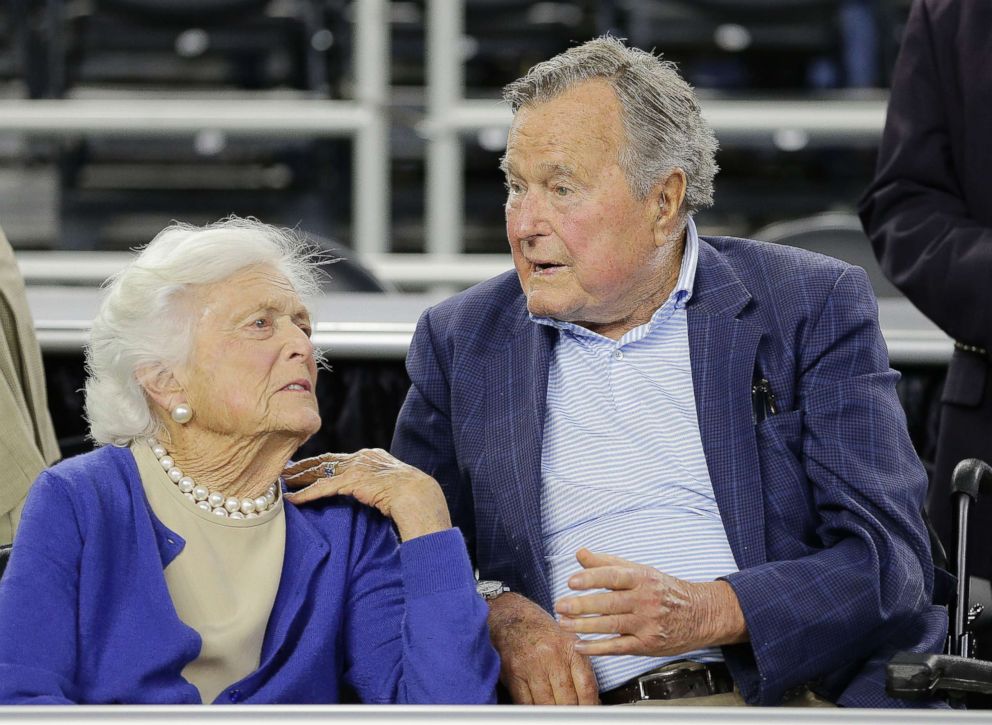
(182, 414)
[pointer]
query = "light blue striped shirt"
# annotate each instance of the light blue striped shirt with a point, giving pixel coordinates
(623, 470)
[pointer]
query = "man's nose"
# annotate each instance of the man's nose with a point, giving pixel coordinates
(527, 217)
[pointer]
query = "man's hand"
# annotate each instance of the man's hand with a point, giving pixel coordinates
(539, 663)
(652, 613)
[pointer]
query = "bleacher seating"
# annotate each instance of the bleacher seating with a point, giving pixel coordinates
(743, 44)
(836, 235)
(235, 44)
(114, 191)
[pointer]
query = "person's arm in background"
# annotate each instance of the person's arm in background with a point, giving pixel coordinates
(916, 211)
(539, 664)
(39, 597)
(27, 438)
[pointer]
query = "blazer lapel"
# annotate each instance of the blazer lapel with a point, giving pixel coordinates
(723, 350)
(516, 397)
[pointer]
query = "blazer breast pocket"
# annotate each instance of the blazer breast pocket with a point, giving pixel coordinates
(790, 514)
(782, 431)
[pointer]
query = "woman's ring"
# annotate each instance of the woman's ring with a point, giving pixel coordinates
(329, 468)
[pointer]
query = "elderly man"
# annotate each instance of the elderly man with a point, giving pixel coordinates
(688, 449)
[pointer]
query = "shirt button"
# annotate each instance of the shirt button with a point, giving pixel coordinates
(234, 695)
(618, 354)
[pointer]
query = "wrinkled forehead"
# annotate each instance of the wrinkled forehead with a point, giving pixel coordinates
(261, 287)
(584, 120)
(565, 154)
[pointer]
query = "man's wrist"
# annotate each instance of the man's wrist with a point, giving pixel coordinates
(491, 589)
(721, 610)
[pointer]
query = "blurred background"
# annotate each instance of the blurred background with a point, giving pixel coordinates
(375, 126)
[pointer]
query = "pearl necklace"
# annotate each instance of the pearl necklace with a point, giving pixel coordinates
(213, 501)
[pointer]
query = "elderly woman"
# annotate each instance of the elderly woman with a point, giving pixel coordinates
(170, 566)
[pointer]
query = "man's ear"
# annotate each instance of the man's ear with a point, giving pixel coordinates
(669, 195)
(160, 385)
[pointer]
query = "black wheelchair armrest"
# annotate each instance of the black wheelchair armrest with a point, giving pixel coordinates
(910, 675)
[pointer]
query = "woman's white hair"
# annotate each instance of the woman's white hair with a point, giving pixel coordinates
(665, 129)
(142, 321)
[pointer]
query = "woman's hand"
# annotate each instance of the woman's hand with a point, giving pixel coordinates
(408, 496)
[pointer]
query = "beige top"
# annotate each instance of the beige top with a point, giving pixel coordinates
(27, 440)
(223, 583)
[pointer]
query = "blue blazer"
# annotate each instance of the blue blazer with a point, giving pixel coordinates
(821, 502)
(86, 616)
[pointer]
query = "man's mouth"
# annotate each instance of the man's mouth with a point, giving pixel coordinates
(546, 267)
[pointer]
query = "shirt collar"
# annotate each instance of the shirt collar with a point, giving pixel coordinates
(678, 298)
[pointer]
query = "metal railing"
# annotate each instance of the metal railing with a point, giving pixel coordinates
(410, 272)
(472, 715)
(380, 326)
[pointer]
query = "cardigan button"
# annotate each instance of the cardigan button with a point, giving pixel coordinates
(234, 695)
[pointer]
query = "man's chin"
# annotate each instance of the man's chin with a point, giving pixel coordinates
(541, 304)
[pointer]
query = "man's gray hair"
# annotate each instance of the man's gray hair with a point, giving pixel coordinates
(145, 319)
(665, 129)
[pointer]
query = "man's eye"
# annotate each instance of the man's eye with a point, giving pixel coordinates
(512, 187)
(562, 190)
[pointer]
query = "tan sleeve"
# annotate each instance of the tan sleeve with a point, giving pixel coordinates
(27, 437)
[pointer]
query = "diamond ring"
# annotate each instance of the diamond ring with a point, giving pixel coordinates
(329, 468)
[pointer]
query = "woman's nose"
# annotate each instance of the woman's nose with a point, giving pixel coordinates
(298, 341)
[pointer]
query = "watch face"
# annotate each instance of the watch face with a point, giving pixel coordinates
(490, 589)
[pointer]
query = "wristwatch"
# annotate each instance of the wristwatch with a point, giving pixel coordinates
(489, 589)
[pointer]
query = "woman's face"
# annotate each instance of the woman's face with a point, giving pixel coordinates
(251, 370)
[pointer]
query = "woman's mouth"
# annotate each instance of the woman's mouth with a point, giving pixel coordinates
(299, 386)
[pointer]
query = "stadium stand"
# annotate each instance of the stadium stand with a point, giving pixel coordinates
(111, 190)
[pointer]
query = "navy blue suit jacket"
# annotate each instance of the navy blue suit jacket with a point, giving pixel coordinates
(821, 502)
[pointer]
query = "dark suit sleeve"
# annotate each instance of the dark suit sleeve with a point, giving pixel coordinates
(424, 437)
(865, 585)
(916, 211)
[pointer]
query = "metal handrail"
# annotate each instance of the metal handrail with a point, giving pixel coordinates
(403, 271)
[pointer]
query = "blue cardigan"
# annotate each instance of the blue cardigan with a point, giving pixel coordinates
(86, 617)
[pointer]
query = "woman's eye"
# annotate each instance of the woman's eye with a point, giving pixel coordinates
(261, 323)
(562, 190)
